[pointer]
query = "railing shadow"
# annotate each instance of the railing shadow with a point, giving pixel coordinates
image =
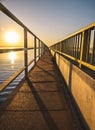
(46, 71)
(47, 117)
(46, 61)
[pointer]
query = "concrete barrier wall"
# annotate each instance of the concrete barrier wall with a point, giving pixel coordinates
(82, 87)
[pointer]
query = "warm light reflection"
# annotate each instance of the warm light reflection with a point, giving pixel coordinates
(12, 57)
(11, 37)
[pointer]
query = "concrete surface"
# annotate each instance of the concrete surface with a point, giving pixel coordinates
(81, 86)
(40, 102)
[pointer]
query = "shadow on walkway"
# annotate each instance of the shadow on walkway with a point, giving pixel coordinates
(47, 117)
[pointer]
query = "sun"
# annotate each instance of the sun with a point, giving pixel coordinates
(11, 37)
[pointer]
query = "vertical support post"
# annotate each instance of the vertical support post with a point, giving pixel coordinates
(75, 46)
(34, 50)
(43, 47)
(93, 51)
(81, 49)
(55, 46)
(60, 47)
(25, 54)
(86, 45)
(78, 46)
(39, 48)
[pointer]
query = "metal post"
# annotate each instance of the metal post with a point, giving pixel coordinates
(34, 50)
(39, 48)
(81, 49)
(78, 38)
(60, 46)
(43, 48)
(25, 53)
(93, 50)
(86, 46)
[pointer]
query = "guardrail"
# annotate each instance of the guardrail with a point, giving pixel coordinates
(79, 47)
(41, 48)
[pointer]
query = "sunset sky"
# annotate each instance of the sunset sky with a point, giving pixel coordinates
(50, 20)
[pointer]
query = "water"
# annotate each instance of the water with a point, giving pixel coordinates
(9, 63)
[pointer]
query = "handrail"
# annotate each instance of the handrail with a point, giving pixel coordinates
(41, 48)
(79, 47)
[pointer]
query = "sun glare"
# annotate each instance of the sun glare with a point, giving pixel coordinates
(11, 37)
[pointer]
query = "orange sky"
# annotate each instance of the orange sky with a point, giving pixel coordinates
(50, 20)
(11, 26)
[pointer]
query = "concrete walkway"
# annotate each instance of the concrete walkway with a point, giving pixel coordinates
(40, 103)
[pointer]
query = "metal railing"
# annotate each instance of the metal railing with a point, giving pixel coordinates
(80, 47)
(41, 48)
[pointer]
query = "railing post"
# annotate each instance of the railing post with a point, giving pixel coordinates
(34, 50)
(60, 47)
(39, 48)
(93, 51)
(25, 53)
(81, 49)
(43, 47)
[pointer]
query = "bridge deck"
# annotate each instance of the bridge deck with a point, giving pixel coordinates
(40, 103)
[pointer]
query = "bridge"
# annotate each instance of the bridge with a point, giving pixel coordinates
(58, 91)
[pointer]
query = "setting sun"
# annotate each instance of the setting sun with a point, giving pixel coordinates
(11, 37)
